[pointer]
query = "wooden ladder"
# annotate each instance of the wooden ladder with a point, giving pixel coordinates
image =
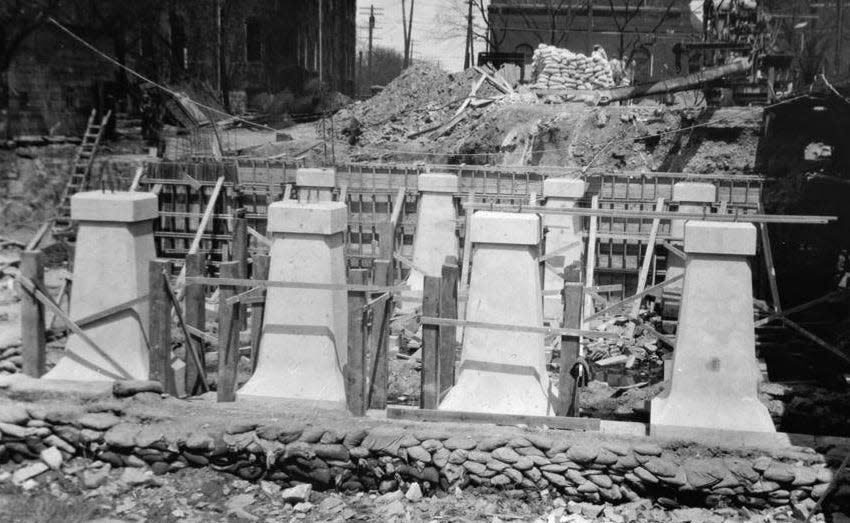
(63, 225)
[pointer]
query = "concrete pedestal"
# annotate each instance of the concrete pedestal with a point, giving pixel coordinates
(315, 184)
(114, 247)
(304, 345)
(503, 372)
(435, 233)
(692, 197)
(715, 373)
(564, 231)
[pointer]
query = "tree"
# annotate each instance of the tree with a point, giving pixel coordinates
(623, 13)
(18, 20)
(453, 21)
(386, 65)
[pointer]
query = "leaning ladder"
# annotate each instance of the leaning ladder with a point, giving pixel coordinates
(63, 225)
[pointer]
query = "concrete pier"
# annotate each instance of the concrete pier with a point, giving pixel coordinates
(315, 184)
(715, 373)
(114, 247)
(564, 239)
(501, 371)
(435, 236)
(691, 197)
(304, 345)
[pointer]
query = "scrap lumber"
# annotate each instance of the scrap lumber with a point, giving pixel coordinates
(159, 326)
(354, 371)
(803, 306)
(429, 387)
(199, 234)
(637, 296)
(33, 342)
(570, 346)
(647, 262)
(591, 259)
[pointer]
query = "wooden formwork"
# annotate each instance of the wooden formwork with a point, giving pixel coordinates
(371, 192)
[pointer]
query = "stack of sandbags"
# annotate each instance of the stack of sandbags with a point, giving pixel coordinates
(556, 68)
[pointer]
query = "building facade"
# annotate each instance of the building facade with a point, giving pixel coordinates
(228, 49)
(641, 30)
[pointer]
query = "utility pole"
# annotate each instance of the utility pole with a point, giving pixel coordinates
(371, 32)
(321, 57)
(407, 27)
(468, 52)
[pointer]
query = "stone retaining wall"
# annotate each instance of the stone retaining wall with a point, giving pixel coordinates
(383, 456)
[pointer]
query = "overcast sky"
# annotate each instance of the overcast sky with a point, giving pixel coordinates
(429, 35)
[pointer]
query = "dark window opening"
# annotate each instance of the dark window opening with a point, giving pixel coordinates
(253, 40)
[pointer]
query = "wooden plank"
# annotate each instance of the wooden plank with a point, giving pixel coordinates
(803, 306)
(398, 205)
(239, 253)
(465, 262)
(647, 263)
(447, 333)
(228, 336)
(194, 305)
(260, 238)
(376, 397)
(570, 345)
(241, 282)
(260, 271)
(37, 237)
(354, 372)
(771, 269)
(448, 416)
(550, 331)
(159, 329)
(429, 391)
(192, 353)
(591, 259)
(33, 341)
(199, 233)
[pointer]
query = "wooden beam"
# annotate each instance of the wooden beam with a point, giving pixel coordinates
(398, 205)
(447, 333)
(591, 260)
(570, 345)
(815, 339)
(194, 353)
(37, 237)
(379, 366)
(803, 306)
(33, 341)
(228, 336)
(432, 320)
(466, 256)
(634, 297)
(675, 251)
(448, 416)
(354, 372)
(159, 330)
(429, 395)
(260, 238)
(194, 305)
(260, 271)
(199, 233)
(647, 263)
(771, 269)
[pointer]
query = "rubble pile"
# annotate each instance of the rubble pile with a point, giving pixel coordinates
(557, 68)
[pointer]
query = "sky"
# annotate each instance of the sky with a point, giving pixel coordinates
(430, 41)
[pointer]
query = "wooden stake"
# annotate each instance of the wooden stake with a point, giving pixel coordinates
(199, 234)
(570, 345)
(448, 334)
(33, 346)
(591, 259)
(239, 251)
(354, 372)
(379, 367)
(258, 310)
(465, 261)
(228, 336)
(194, 305)
(159, 330)
(429, 390)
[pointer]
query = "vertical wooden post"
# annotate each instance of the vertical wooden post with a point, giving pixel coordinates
(239, 253)
(448, 335)
(260, 271)
(354, 372)
(429, 393)
(32, 317)
(229, 322)
(159, 330)
(567, 384)
(376, 394)
(194, 307)
(386, 241)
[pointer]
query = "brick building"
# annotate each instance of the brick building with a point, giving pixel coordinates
(262, 46)
(644, 30)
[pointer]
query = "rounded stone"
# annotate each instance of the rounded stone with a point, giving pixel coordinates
(647, 449)
(419, 453)
(523, 463)
(505, 454)
(582, 453)
(606, 457)
(779, 472)
(14, 414)
(460, 443)
(645, 475)
(661, 467)
(458, 456)
(530, 451)
(122, 435)
(475, 467)
(601, 480)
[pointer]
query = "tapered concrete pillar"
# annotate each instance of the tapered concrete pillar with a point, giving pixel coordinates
(715, 373)
(563, 239)
(501, 371)
(435, 236)
(692, 197)
(114, 247)
(304, 345)
(315, 184)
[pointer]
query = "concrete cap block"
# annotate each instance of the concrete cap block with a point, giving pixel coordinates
(505, 227)
(119, 206)
(737, 239)
(307, 218)
(315, 177)
(564, 188)
(438, 182)
(694, 192)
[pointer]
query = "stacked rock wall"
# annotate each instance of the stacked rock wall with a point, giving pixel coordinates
(382, 455)
(557, 68)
